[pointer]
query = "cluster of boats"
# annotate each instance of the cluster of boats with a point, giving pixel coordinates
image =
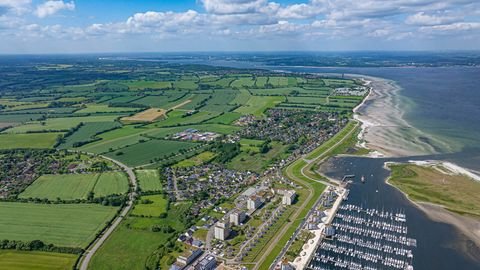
(365, 239)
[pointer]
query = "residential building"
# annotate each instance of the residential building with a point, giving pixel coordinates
(222, 230)
(289, 197)
(253, 202)
(237, 217)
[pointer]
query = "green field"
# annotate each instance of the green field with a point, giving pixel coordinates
(133, 243)
(196, 160)
(149, 180)
(33, 260)
(31, 140)
(457, 193)
(256, 105)
(60, 124)
(151, 206)
(102, 108)
(76, 186)
(111, 183)
(251, 160)
(225, 118)
(87, 132)
(63, 186)
(146, 152)
(69, 225)
(142, 85)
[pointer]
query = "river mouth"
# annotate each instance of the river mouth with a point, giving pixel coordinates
(439, 245)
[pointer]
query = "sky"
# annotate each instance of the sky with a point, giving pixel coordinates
(87, 26)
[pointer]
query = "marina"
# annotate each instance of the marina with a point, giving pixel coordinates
(363, 239)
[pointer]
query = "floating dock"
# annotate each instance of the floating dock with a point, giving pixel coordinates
(365, 239)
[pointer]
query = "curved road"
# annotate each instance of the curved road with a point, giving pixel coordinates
(93, 248)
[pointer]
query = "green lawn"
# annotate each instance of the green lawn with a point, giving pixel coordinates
(149, 180)
(30, 140)
(33, 260)
(150, 206)
(72, 225)
(196, 160)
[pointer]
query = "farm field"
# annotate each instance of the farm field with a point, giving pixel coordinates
(34, 260)
(149, 180)
(75, 224)
(30, 140)
(76, 186)
(63, 186)
(60, 124)
(87, 133)
(141, 85)
(109, 183)
(148, 115)
(147, 152)
(102, 108)
(256, 105)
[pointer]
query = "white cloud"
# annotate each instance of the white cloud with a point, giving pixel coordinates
(14, 6)
(421, 18)
(234, 6)
(53, 6)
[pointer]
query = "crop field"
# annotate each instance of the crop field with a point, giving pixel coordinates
(220, 101)
(278, 81)
(243, 82)
(75, 224)
(256, 105)
(76, 186)
(86, 133)
(34, 260)
(142, 85)
(148, 115)
(30, 140)
(146, 152)
(111, 183)
(261, 82)
(151, 206)
(225, 118)
(104, 146)
(63, 186)
(177, 117)
(102, 108)
(149, 180)
(186, 84)
(60, 124)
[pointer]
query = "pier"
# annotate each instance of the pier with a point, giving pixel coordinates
(365, 239)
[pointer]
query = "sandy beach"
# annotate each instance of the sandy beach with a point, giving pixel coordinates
(384, 129)
(388, 134)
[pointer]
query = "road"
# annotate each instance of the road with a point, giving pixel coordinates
(93, 248)
(318, 159)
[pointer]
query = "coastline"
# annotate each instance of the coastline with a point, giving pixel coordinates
(384, 128)
(468, 226)
(386, 133)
